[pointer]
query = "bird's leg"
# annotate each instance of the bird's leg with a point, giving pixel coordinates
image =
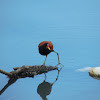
(45, 76)
(58, 59)
(44, 61)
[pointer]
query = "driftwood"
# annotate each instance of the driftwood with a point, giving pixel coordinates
(25, 71)
(28, 71)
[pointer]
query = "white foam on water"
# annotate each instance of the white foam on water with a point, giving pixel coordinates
(85, 69)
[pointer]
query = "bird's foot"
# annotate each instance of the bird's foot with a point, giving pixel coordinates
(43, 64)
(61, 66)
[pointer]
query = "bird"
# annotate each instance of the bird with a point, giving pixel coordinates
(45, 48)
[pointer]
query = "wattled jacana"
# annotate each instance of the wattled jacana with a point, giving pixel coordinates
(45, 48)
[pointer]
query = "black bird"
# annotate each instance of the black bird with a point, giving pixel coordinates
(45, 48)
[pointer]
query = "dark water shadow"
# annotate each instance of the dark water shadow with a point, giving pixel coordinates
(95, 77)
(44, 89)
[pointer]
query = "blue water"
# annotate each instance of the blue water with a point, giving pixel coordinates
(74, 29)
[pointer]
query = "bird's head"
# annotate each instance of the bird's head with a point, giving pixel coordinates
(48, 47)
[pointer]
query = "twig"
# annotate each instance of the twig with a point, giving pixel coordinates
(4, 72)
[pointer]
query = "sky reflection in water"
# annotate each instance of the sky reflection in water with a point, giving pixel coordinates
(74, 29)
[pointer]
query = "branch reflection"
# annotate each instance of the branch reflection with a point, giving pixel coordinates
(10, 82)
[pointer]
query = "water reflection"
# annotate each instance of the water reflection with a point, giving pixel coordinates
(44, 88)
(10, 82)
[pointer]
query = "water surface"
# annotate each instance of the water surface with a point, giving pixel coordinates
(74, 29)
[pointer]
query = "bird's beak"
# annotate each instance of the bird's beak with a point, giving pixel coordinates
(49, 48)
